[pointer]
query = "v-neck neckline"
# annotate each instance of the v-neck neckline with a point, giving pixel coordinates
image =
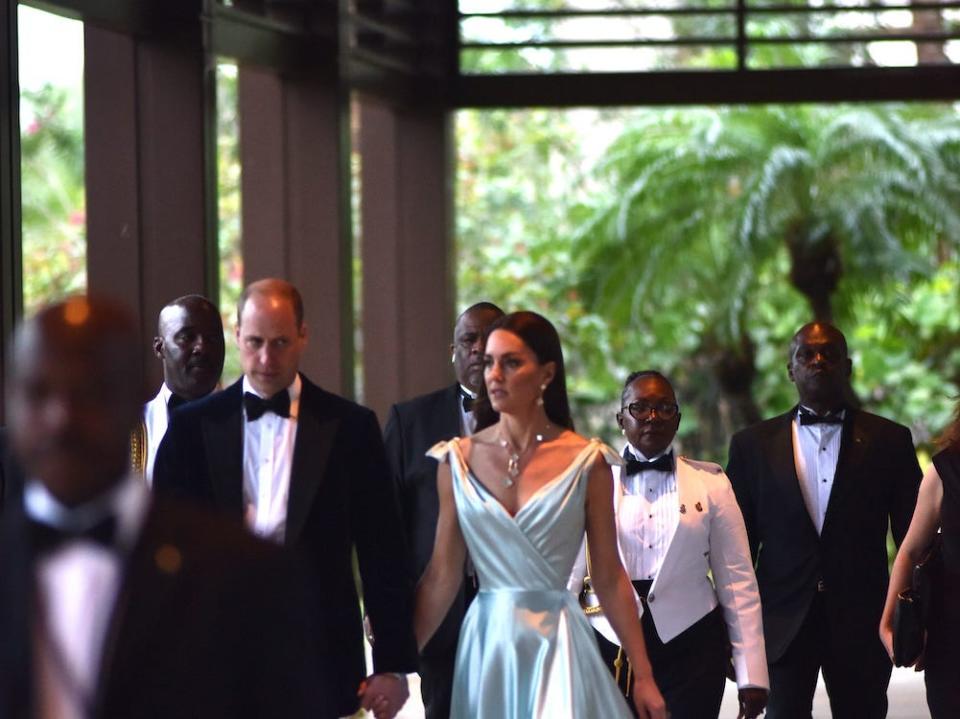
(540, 490)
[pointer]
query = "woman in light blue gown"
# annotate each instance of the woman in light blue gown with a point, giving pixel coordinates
(518, 495)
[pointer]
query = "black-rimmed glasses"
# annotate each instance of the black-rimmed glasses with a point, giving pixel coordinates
(641, 411)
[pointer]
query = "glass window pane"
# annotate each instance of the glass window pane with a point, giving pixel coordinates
(229, 237)
(52, 160)
(595, 36)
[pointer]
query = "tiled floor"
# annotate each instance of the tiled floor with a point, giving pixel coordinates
(906, 694)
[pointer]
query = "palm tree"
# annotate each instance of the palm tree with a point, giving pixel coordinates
(717, 206)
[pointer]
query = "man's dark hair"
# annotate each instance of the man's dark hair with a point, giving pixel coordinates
(640, 374)
(482, 307)
(185, 301)
(831, 329)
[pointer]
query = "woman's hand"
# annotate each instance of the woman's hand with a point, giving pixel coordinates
(886, 637)
(647, 698)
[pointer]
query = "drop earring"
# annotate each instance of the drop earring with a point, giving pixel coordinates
(543, 389)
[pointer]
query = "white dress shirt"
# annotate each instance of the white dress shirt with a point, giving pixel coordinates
(267, 461)
(155, 419)
(77, 586)
(647, 517)
(816, 448)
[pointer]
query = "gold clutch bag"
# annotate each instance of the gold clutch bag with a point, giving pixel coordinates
(589, 601)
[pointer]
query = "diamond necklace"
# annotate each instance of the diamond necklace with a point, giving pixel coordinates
(513, 456)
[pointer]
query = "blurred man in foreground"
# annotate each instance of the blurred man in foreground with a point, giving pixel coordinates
(113, 604)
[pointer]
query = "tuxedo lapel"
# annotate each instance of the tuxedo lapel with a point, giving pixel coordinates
(16, 599)
(223, 442)
(150, 574)
(783, 466)
(853, 446)
(311, 452)
(449, 418)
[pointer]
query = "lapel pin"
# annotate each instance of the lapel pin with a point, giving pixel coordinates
(683, 509)
(699, 507)
(168, 559)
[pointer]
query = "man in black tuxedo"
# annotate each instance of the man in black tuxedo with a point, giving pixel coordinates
(189, 345)
(304, 468)
(11, 476)
(412, 428)
(113, 604)
(819, 487)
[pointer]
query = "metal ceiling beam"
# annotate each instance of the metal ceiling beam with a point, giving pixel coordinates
(713, 87)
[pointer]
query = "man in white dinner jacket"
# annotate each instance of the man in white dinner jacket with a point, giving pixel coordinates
(678, 522)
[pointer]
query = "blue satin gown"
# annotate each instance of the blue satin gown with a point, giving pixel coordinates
(526, 650)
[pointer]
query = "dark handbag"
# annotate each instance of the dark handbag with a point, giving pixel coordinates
(589, 601)
(913, 607)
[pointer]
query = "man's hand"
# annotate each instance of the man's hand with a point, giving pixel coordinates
(647, 698)
(752, 703)
(384, 694)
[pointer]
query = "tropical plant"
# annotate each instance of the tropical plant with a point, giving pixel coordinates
(723, 211)
(53, 202)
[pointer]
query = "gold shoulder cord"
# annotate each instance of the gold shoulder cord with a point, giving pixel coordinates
(591, 607)
(138, 447)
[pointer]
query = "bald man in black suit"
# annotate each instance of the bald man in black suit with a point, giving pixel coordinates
(412, 428)
(819, 487)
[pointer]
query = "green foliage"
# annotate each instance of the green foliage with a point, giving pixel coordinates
(52, 195)
(53, 200)
(228, 200)
(681, 249)
(517, 173)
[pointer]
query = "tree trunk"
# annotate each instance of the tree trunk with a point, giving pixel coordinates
(734, 368)
(929, 22)
(815, 268)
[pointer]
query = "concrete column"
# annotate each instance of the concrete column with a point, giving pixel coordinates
(148, 224)
(296, 211)
(406, 240)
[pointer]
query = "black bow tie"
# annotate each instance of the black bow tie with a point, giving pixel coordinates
(663, 463)
(256, 406)
(46, 538)
(174, 402)
(811, 418)
(467, 402)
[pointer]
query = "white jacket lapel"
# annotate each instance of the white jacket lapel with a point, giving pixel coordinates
(687, 497)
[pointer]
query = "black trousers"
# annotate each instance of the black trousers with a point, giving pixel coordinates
(436, 683)
(856, 673)
(690, 669)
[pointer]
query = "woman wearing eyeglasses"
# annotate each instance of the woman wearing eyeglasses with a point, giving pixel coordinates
(678, 521)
